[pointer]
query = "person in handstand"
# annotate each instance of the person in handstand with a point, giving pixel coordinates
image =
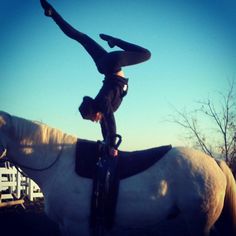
(115, 85)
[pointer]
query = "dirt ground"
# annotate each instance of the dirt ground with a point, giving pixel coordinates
(31, 221)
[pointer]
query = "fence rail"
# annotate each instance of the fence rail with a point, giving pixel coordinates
(13, 185)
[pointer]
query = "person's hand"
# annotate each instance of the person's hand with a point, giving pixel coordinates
(113, 152)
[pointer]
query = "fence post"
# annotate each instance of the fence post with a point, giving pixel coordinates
(31, 190)
(18, 185)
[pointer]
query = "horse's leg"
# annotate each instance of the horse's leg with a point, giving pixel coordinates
(197, 223)
(200, 219)
(69, 226)
(74, 228)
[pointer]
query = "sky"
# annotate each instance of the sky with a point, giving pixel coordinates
(44, 74)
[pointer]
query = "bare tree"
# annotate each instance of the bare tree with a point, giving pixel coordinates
(218, 137)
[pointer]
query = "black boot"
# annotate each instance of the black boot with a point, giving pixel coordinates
(110, 40)
(48, 9)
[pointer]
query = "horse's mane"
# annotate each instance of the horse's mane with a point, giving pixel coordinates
(41, 133)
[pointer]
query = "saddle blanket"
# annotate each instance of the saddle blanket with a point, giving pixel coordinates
(129, 163)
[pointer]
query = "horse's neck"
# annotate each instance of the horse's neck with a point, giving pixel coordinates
(38, 147)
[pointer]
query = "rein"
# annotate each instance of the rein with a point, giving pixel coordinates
(15, 163)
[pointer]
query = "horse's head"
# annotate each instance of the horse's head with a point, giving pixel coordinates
(5, 120)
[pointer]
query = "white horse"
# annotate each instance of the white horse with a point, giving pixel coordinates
(185, 182)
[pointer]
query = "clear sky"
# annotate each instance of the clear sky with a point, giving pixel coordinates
(44, 74)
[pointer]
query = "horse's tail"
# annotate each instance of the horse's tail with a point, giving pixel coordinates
(226, 223)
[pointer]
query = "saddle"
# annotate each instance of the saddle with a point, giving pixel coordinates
(106, 173)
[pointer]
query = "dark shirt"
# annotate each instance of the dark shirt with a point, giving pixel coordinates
(107, 102)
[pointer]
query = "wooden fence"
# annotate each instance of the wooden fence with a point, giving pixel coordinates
(14, 186)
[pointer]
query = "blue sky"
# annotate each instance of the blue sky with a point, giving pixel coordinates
(44, 74)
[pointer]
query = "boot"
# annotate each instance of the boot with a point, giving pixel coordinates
(48, 9)
(110, 40)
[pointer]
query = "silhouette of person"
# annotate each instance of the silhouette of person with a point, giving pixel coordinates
(115, 85)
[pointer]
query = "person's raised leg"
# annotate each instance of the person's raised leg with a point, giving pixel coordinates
(132, 54)
(92, 47)
(126, 46)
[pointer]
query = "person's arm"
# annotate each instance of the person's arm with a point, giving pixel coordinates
(63, 25)
(108, 126)
(103, 103)
(108, 123)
